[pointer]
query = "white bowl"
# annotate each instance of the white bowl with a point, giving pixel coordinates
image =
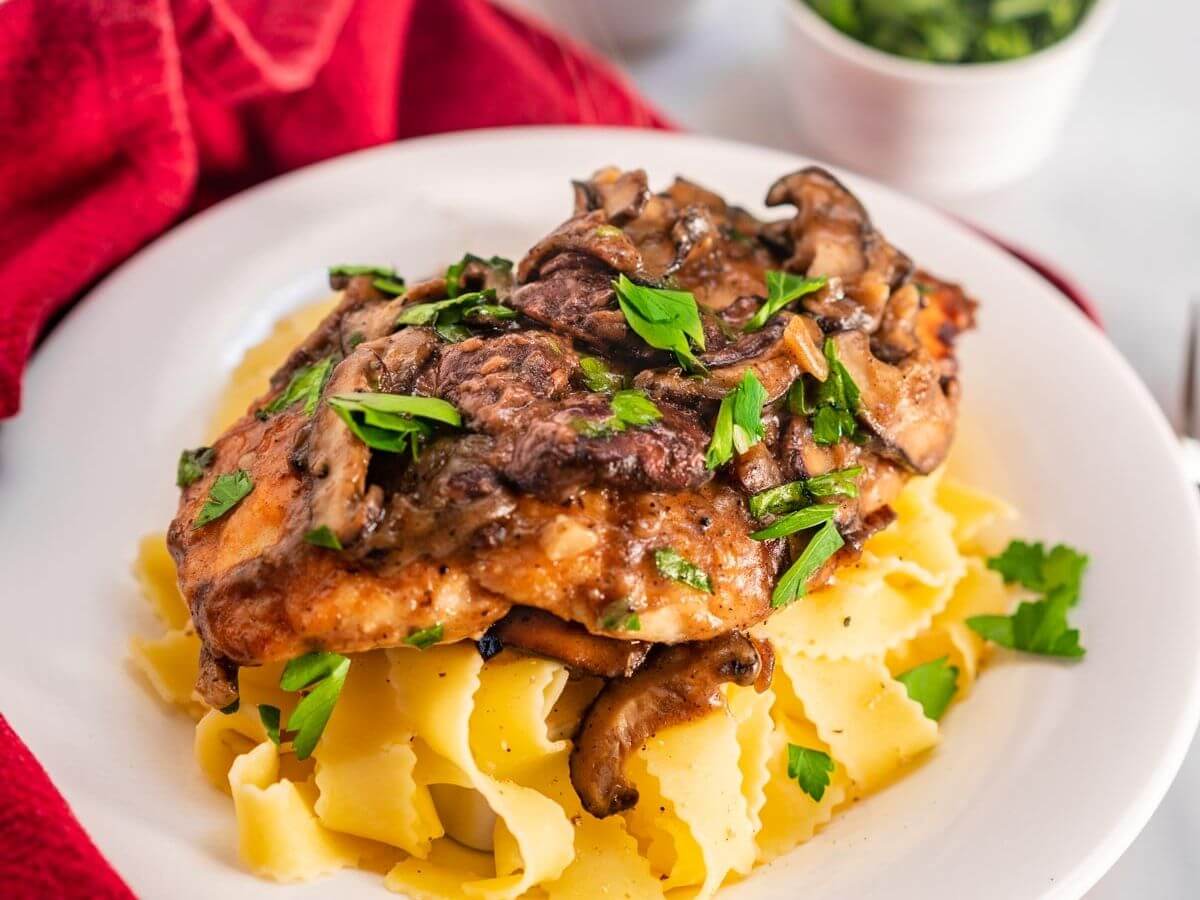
(936, 127)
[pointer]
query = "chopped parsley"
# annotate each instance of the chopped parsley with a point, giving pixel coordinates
(393, 286)
(835, 407)
(739, 423)
(446, 316)
(305, 385)
(931, 684)
(782, 289)
(393, 423)
(345, 271)
(821, 547)
(599, 377)
(355, 339)
(192, 464)
(312, 713)
(664, 319)
(226, 492)
(795, 494)
(454, 272)
(801, 519)
(269, 716)
(671, 565)
(424, 638)
(629, 408)
(619, 617)
(810, 769)
(1038, 626)
(323, 536)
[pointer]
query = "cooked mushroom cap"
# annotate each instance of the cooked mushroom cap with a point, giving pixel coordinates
(676, 685)
(540, 632)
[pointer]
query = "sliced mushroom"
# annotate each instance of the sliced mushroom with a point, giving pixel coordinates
(621, 196)
(675, 685)
(540, 632)
(217, 682)
(590, 234)
(904, 404)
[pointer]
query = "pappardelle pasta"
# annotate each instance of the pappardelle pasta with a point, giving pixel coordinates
(449, 774)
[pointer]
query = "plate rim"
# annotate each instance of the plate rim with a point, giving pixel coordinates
(1086, 870)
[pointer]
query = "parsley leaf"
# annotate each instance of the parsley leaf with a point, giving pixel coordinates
(269, 716)
(226, 492)
(795, 494)
(598, 376)
(629, 408)
(739, 421)
(424, 638)
(808, 517)
(446, 316)
(931, 684)
(392, 422)
(618, 616)
(306, 384)
(836, 403)
(454, 272)
(393, 286)
(323, 536)
(794, 583)
(312, 713)
(304, 670)
(810, 769)
(664, 319)
(1038, 626)
(671, 565)
(345, 271)
(782, 289)
(192, 464)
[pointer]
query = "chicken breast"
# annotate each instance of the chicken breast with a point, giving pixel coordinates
(533, 497)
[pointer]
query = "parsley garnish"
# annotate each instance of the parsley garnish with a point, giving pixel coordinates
(795, 494)
(393, 286)
(671, 565)
(311, 714)
(232, 707)
(269, 716)
(782, 289)
(1038, 626)
(306, 384)
(664, 319)
(350, 271)
(323, 536)
(810, 769)
(598, 376)
(454, 271)
(446, 316)
(739, 421)
(629, 408)
(392, 422)
(192, 464)
(836, 403)
(821, 547)
(226, 492)
(931, 684)
(808, 517)
(355, 339)
(424, 638)
(619, 617)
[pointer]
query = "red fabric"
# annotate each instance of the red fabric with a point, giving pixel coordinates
(43, 851)
(117, 117)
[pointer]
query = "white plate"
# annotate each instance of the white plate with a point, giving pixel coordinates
(1045, 775)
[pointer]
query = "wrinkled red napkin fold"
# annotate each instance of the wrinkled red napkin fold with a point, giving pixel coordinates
(117, 118)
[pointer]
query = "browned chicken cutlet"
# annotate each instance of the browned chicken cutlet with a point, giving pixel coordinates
(534, 500)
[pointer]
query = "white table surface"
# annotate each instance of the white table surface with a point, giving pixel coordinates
(1117, 207)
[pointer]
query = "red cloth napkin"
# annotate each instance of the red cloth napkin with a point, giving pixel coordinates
(119, 117)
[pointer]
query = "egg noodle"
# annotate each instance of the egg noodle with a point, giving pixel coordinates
(425, 744)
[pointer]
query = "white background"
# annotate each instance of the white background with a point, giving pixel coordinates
(1116, 208)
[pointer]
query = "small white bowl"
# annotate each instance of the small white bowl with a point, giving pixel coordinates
(939, 127)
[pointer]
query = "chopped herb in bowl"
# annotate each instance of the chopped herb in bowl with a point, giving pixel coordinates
(955, 31)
